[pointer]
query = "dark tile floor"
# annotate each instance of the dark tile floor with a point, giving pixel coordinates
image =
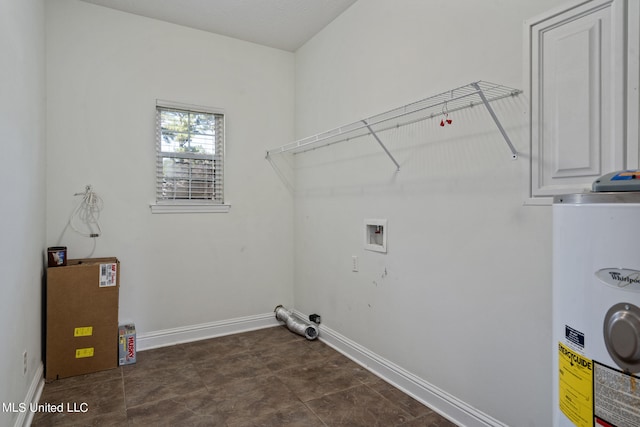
(268, 377)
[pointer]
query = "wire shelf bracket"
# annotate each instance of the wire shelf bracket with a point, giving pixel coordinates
(476, 93)
(375, 135)
(485, 101)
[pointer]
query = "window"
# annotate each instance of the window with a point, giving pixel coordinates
(190, 156)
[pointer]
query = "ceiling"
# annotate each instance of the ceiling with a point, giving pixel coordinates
(282, 24)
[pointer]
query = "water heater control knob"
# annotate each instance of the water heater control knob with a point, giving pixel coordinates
(622, 336)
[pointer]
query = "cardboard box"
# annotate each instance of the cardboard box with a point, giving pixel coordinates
(127, 344)
(82, 317)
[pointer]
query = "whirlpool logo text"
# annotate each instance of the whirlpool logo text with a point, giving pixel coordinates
(620, 278)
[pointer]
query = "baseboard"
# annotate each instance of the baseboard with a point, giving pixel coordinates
(167, 337)
(440, 401)
(32, 398)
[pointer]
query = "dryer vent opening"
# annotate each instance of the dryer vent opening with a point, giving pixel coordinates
(296, 324)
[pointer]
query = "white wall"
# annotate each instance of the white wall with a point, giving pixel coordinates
(105, 70)
(462, 298)
(22, 225)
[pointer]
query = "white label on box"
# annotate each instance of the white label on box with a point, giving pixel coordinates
(108, 274)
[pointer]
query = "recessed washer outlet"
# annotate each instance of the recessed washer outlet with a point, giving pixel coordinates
(375, 235)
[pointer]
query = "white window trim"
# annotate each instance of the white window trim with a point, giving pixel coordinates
(189, 107)
(161, 208)
(189, 206)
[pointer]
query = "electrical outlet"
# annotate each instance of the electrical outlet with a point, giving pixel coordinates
(354, 267)
(24, 363)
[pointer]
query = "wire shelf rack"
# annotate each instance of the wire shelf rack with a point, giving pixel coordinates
(470, 95)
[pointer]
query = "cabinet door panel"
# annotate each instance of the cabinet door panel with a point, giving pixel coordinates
(571, 102)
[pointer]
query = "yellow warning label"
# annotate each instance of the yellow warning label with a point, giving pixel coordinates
(85, 331)
(84, 352)
(575, 386)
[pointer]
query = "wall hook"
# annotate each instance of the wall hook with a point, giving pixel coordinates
(445, 111)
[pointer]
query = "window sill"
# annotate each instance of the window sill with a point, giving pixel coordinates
(185, 208)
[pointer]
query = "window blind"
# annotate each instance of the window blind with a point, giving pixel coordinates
(190, 156)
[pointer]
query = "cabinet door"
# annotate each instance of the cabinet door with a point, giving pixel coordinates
(633, 85)
(577, 64)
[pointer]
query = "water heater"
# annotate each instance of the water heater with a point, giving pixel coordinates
(596, 305)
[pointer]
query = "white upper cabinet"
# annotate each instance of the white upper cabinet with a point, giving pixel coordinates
(578, 76)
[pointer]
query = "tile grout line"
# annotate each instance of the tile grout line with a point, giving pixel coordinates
(124, 394)
(314, 413)
(411, 416)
